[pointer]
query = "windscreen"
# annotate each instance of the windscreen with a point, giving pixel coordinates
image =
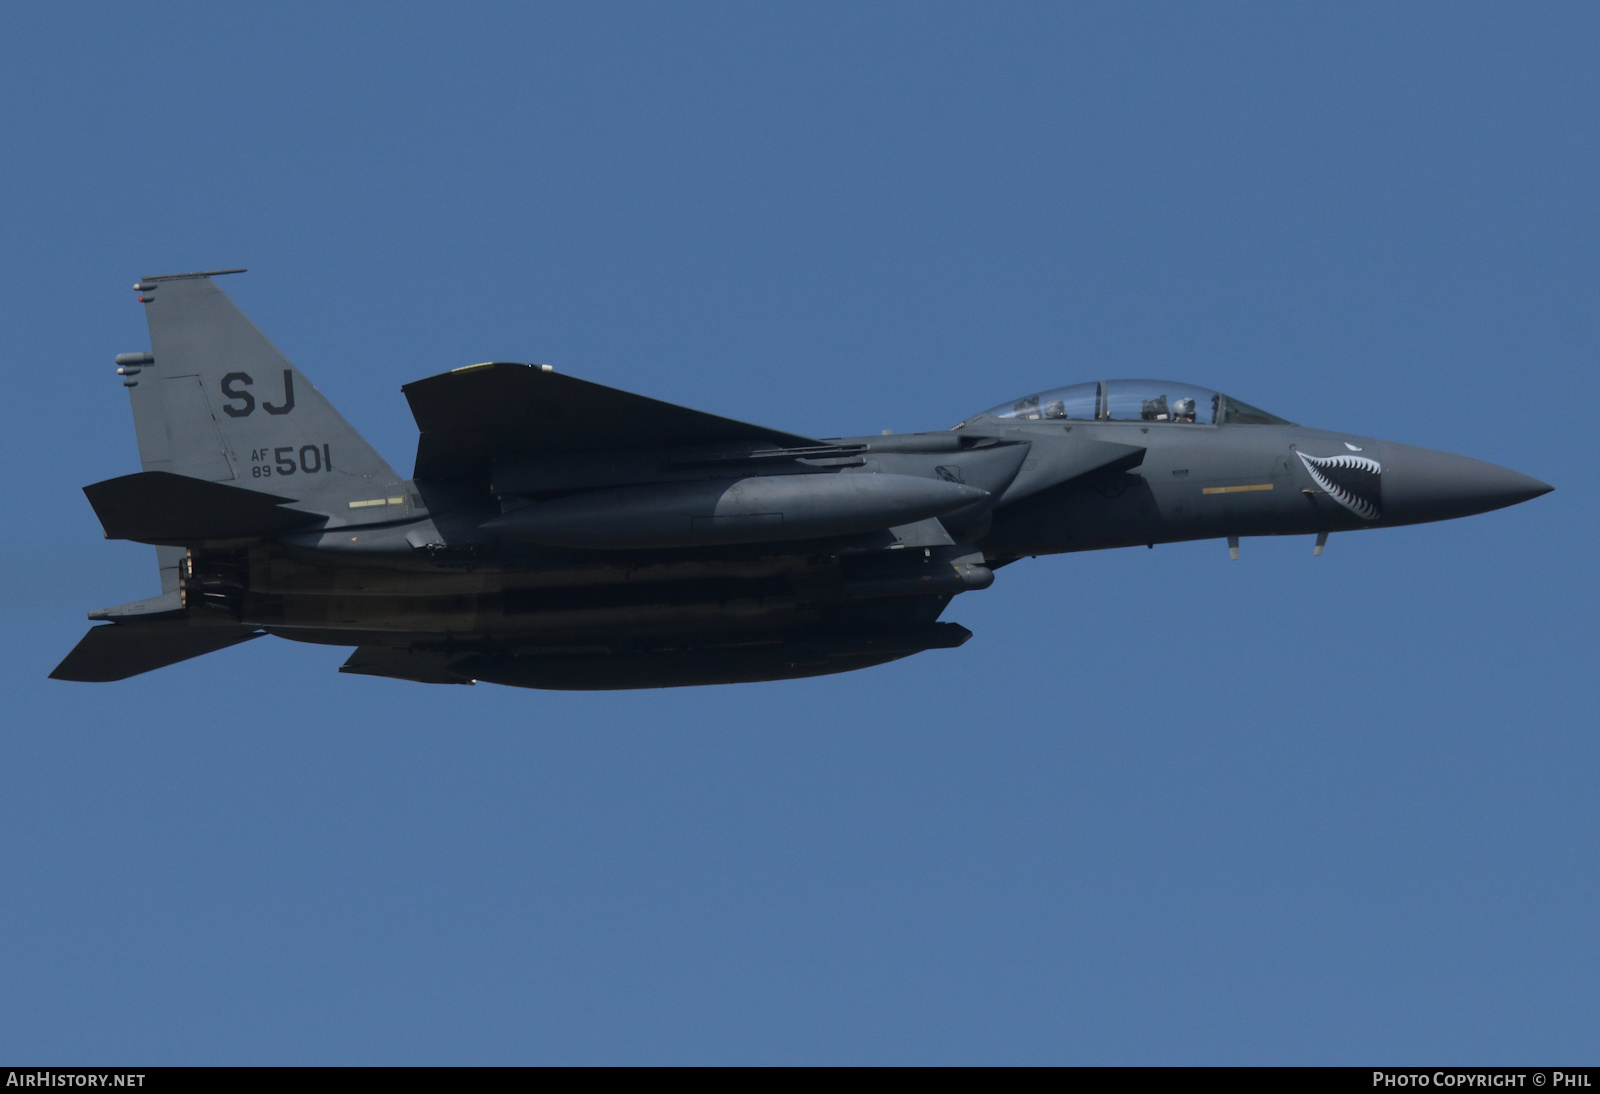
(1135, 401)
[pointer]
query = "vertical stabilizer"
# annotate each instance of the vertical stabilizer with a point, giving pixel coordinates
(220, 402)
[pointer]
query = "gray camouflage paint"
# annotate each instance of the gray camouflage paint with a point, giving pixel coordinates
(559, 534)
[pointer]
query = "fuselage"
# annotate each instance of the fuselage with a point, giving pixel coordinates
(1178, 481)
(1209, 481)
(559, 533)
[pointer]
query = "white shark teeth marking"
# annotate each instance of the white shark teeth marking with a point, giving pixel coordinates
(1357, 505)
(1354, 463)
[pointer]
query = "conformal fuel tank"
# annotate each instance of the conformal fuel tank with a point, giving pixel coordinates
(748, 510)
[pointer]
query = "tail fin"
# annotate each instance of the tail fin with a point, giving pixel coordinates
(216, 400)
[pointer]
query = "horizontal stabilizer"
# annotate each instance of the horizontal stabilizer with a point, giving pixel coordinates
(160, 507)
(120, 650)
(473, 414)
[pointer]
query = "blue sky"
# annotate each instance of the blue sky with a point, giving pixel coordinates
(1163, 808)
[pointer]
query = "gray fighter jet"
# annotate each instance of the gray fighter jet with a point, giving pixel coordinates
(560, 534)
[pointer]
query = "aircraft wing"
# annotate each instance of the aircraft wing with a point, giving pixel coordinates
(472, 415)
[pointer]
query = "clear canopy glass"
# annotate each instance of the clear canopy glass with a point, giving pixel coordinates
(1135, 401)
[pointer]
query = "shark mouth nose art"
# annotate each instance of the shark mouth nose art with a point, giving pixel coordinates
(1355, 482)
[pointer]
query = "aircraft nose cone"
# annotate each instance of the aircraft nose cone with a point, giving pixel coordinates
(1422, 484)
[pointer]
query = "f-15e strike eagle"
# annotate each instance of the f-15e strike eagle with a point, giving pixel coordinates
(560, 534)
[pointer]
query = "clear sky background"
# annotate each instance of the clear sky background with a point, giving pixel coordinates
(1163, 808)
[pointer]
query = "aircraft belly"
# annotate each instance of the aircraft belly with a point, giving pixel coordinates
(645, 657)
(300, 591)
(613, 672)
(499, 614)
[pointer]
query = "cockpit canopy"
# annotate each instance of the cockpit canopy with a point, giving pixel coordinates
(1135, 401)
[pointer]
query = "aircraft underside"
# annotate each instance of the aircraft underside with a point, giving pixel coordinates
(582, 625)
